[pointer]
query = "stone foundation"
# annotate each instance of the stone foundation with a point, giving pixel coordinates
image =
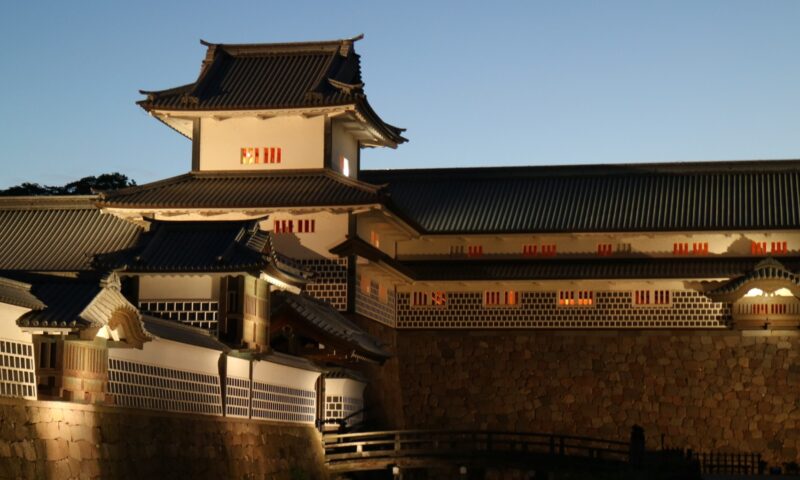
(705, 390)
(58, 440)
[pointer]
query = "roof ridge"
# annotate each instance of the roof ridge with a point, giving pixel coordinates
(48, 202)
(690, 167)
(138, 188)
(278, 46)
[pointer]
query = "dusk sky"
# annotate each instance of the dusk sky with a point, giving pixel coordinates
(478, 83)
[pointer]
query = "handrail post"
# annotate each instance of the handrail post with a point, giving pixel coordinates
(397, 444)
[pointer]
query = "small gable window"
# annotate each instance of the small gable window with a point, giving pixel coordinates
(306, 226)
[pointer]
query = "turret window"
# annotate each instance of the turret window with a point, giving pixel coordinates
(697, 248)
(306, 226)
(605, 249)
(284, 226)
(546, 250)
(475, 250)
(253, 155)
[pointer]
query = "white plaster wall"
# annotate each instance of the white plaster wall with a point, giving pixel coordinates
(330, 230)
(301, 140)
(554, 285)
(169, 354)
(178, 287)
(8, 323)
(343, 144)
(655, 245)
(238, 367)
(345, 387)
(283, 375)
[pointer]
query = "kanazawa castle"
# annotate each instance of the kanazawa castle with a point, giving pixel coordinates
(241, 287)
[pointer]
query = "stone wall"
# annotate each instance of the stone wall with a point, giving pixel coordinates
(57, 440)
(710, 391)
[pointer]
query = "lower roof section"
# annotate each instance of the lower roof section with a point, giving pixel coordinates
(245, 190)
(577, 269)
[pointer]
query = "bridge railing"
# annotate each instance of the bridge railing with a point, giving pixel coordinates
(419, 443)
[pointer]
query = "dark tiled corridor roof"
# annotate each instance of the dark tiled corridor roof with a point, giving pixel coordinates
(58, 233)
(597, 198)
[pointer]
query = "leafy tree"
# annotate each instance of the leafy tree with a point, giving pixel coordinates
(84, 186)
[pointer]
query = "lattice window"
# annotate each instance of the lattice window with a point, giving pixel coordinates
(605, 249)
(575, 298)
(758, 248)
(429, 299)
(197, 313)
(456, 250)
(284, 226)
(623, 248)
(699, 248)
(141, 385)
(237, 397)
(17, 375)
(651, 297)
(275, 402)
(530, 250)
(549, 250)
(475, 250)
(778, 248)
(306, 226)
(506, 298)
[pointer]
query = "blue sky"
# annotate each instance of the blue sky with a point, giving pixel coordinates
(475, 83)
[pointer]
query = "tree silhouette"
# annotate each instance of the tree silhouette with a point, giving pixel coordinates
(84, 186)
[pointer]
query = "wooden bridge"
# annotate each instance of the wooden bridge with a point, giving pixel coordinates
(418, 449)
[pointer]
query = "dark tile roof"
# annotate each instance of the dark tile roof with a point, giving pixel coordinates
(73, 302)
(577, 269)
(327, 319)
(58, 233)
(17, 293)
(274, 76)
(178, 332)
(202, 246)
(359, 247)
(225, 190)
(597, 198)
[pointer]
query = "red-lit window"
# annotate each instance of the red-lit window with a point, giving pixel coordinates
(429, 299)
(474, 250)
(504, 298)
(700, 248)
(680, 248)
(651, 297)
(758, 248)
(284, 226)
(249, 155)
(530, 250)
(271, 155)
(580, 298)
(375, 239)
(778, 248)
(306, 226)
(777, 309)
(759, 309)
(366, 284)
(548, 250)
(605, 249)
